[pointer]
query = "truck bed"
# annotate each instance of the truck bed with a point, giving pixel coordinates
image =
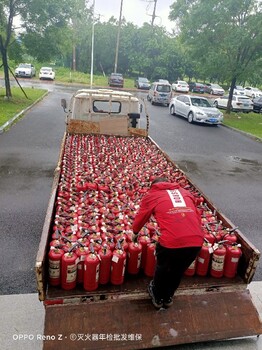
(205, 308)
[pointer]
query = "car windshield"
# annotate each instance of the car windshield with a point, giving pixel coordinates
(216, 86)
(163, 88)
(200, 102)
(143, 80)
(182, 83)
(238, 87)
(24, 65)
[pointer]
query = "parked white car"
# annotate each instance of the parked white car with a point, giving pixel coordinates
(195, 109)
(47, 73)
(26, 70)
(240, 103)
(252, 92)
(180, 86)
(239, 90)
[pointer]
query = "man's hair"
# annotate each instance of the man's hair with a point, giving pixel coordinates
(160, 179)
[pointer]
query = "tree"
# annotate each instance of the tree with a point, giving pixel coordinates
(225, 34)
(42, 22)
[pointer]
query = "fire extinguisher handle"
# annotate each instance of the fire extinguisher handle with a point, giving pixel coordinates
(73, 247)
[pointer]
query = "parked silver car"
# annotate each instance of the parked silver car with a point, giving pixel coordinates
(195, 109)
(214, 89)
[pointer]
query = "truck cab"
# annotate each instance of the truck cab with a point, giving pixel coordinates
(105, 107)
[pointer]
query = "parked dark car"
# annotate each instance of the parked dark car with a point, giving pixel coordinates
(257, 105)
(214, 89)
(197, 87)
(142, 83)
(116, 79)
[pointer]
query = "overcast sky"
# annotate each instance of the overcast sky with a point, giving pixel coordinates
(136, 11)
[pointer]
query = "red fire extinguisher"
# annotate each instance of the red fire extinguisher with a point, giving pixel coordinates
(230, 236)
(118, 265)
(105, 255)
(69, 270)
(134, 257)
(81, 253)
(54, 261)
(91, 270)
(144, 240)
(190, 271)
(232, 259)
(203, 258)
(218, 260)
(150, 263)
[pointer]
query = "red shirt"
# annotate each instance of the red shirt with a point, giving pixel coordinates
(175, 212)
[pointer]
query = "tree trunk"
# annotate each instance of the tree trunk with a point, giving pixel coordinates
(229, 102)
(6, 71)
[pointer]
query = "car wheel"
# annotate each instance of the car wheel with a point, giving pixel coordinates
(260, 111)
(148, 98)
(172, 110)
(211, 92)
(152, 102)
(216, 104)
(190, 118)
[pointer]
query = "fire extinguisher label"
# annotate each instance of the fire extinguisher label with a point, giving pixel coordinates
(139, 260)
(97, 273)
(54, 268)
(115, 258)
(218, 262)
(234, 260)
(71, 273)
(201, 260)
(124, 268)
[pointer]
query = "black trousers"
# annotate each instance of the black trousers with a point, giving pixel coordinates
(170, 267)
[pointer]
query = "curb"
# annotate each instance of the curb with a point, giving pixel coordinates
(11, 121)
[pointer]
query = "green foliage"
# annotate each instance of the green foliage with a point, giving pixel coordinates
(248, 122)
(9, 108)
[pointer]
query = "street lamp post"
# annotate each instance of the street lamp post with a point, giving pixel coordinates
(92, 46)
(118, 36)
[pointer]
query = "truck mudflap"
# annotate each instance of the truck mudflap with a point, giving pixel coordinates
(135, 324)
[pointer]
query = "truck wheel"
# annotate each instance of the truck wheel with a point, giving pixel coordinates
(190, 118)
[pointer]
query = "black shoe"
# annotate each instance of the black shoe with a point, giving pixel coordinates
(157, 303)
(168, 302)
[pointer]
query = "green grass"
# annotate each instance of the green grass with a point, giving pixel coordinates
(18, 102)
(66, 76)
(248, 122)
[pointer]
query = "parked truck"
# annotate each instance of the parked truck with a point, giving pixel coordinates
(106, 164)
